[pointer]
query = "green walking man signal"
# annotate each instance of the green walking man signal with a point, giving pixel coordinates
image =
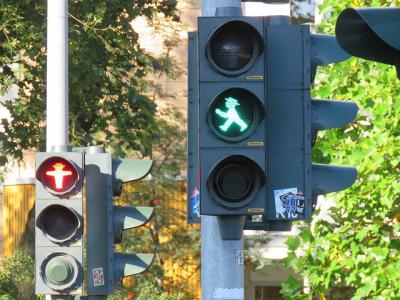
(231, 115)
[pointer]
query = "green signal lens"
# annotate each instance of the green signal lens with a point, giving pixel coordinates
(233, 115)
(60, 271)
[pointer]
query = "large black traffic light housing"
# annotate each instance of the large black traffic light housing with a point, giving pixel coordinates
(371, 33)
(59, 223)
(231, 119)
(272, 123)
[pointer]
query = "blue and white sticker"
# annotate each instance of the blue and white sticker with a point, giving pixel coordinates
(195, 202)
(98, 276)
(239, 257)
(289, 203)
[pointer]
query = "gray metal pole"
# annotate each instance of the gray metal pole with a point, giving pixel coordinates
(57, 74)
(222, 272)
(57, 84)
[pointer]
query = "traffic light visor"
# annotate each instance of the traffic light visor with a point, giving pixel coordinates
(234, 47)
(234, 114)
(370, 33)
(58, 175)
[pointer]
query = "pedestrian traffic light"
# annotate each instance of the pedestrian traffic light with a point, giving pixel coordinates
(293, 119)
(106, 221)
(59, 223)
(371, 33)
(231, 120)
(255, 123)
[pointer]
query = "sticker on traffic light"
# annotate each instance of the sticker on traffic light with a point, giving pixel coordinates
(58, 175)
(234, 114)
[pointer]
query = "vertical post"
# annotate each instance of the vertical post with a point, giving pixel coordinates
(222, 269)
(57, 74)
(57, 82)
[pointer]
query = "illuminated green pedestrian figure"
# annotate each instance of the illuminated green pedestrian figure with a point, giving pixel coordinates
(231, 116)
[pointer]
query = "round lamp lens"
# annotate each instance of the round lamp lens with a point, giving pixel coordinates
(233, 182)
(231, 49)
(59, 223)
(60, 271)
(234, 47)
(234, 114)
(58, 175)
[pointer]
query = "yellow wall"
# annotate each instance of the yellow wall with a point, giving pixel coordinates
(186, 274)
(18, 201)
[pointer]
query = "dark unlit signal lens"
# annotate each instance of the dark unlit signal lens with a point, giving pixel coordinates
(59, 223)
(234, 47)
(235, 181)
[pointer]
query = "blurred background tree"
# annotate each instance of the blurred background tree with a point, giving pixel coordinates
(355, 254)
(109, 102)
(114, 87)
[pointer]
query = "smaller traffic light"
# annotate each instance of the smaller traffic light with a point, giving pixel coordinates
(59, 223)
(105, 221)
(371, 33)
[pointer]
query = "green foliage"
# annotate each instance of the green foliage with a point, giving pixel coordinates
(254, 259)
(148, 291)
(357, 255)
(16, 274)
(108, 101)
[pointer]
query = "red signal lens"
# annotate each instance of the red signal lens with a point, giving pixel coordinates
(58, 175)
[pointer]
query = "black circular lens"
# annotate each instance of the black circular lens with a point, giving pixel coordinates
(234, 47)
(233, 182)
(59, 223)
(231, 49)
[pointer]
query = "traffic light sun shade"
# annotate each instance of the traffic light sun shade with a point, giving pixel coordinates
(371, 33)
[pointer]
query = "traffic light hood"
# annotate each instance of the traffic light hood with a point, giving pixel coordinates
(371, 33)
(131, 169)
(325, 50)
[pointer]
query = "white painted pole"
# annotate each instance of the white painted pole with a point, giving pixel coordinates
(222, 269)
(57, 74)
(57, 83)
